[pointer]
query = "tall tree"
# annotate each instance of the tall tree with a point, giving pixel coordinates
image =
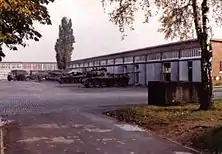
(16, 21)
(182, 19)
(64, 44)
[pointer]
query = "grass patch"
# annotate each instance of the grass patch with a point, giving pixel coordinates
(181, 123)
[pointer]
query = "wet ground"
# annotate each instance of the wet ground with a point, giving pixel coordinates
(66, 119)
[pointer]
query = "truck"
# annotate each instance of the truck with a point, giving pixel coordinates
(18, 75)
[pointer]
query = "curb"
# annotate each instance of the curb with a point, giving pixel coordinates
(160, 136)
(5, 135)
(175, 142)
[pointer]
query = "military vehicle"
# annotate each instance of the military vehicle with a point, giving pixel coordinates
(18, 75)
(54, 75)
(77, 77)
(38, 74)
(106, 79)
(70, 77)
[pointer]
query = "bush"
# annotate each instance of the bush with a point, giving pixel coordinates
(210, 141)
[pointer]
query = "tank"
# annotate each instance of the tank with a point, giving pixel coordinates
(54, 75)
(106, 79)
(78, 77)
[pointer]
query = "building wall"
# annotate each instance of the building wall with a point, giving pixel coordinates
(217, 61)
(183, 71)
(6, 67)
(147, 64)
(174, 71)
(196, 70)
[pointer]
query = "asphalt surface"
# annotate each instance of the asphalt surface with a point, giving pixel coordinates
(67, 119)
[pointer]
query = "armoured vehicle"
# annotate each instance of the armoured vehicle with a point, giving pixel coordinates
(18, 75)
(106, 79)
(70, 77)
(38, 74)
(78, 77)
(54, 75)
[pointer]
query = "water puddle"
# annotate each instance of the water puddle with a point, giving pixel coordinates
(98, 130)
(176, 152)
(128, 127)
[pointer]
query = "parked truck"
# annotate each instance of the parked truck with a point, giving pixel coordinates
(18, 75)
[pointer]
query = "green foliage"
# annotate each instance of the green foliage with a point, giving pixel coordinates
(210, 141)
(183, 123)
(64, 44)
(16, 21)
(178, 19)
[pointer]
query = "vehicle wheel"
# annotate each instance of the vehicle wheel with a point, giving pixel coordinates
(103, 85)
(91, 85)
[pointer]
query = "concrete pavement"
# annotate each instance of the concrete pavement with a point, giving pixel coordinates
(59, 119)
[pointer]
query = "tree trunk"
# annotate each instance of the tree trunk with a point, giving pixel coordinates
(205, 96)
(206, 89)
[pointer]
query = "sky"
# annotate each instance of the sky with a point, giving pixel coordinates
(95, 34)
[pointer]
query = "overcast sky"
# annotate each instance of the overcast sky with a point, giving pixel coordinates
(95, 34)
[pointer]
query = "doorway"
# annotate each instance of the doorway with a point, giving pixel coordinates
(167, 71)
(190, 71)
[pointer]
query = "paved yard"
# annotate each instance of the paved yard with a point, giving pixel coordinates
(66, 119)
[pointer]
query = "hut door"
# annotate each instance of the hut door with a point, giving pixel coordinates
(190, 71)
(166, 71)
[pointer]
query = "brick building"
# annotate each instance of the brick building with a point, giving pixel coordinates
(217, 61)
(6, 67)
(179, 61)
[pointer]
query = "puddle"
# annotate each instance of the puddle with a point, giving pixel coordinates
(98, 130)
(49, 126)
(128, 127)
(176, 152)
(108, 139)
(61, 140)
(33, 139)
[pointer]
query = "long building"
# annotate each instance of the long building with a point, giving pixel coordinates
(179, 61)
(6, 67)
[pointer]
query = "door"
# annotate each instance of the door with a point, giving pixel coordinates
(190, 71)
(167, 71)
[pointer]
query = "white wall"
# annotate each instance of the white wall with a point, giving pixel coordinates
(183, 70)
(130, 68)
(142, 74)
(110, 69)
(118, 69)
(174, 71)
(158, 71)
(196, 71)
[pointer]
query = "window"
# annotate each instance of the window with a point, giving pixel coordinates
(128, 60)
(172, 54)
(220, 65)
(190, 71)
(155, 56)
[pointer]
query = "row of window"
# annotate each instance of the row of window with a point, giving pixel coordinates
(28, 66)
(196, 52)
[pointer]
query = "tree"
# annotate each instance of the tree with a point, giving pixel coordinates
(179, 19)
(64, 44)
(16, 21)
